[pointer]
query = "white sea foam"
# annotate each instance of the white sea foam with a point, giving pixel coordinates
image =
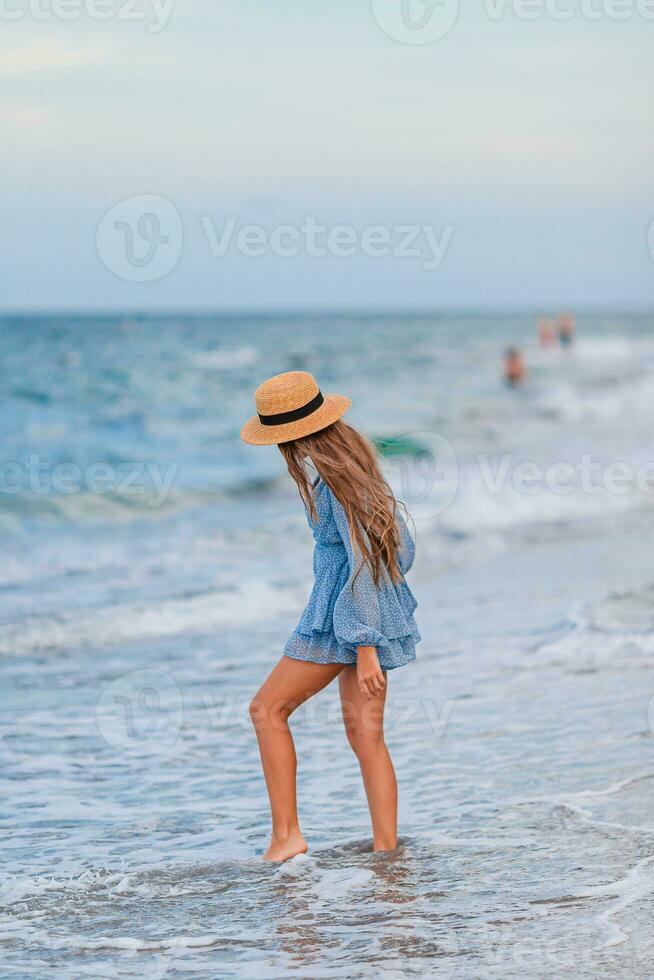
(225, 360)
(635, 886)
(612, 348)
(332, 883)
(21, 930)
(100, 885)
(325, 883)
(251, 601)
(613, 629)
(477, 510)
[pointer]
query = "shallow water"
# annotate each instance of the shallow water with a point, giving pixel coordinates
(132, 636)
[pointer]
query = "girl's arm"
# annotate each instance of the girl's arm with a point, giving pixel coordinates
(407, 546)
(356, 615)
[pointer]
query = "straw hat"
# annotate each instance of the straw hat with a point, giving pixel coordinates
(290, 406)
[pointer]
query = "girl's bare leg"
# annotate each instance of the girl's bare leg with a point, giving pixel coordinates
(364, 724)
(290, 684)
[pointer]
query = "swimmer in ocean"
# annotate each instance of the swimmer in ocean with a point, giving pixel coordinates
(565, 323)
(515, 371)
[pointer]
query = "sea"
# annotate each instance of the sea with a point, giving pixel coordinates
(153, 566)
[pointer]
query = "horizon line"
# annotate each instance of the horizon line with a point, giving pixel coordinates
(532, 309)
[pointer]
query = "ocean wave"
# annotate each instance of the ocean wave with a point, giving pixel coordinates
(601, 400)
(614, 347)
(615, 630)
(477, 510)
(636, 886)
(102, 883)
(224, 360)
(121, 507)
(251, 601)
(619, 612)
(17, 930)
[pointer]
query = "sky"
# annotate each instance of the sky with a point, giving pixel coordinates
(233, 154)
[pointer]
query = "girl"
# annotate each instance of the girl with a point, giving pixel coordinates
(358, 623)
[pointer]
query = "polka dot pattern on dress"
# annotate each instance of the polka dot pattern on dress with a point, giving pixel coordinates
(344, 611)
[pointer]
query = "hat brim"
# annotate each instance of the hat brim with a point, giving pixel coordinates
(256, 434)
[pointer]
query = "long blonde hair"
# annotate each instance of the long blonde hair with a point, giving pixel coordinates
(347, 463)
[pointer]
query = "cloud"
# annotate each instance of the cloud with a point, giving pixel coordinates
(21, 115)
(44, 56)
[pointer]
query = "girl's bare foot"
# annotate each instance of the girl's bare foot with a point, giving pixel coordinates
(286, 848)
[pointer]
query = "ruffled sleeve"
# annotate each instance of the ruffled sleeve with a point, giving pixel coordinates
(366, 614)
(407, 552)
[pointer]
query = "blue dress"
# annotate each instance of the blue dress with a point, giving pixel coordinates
(341, 615)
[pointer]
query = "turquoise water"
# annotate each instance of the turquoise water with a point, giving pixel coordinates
(153, 567)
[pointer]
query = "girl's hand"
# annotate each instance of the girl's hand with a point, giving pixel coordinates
(369, 673)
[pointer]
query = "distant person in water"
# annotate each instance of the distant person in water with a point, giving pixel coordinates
(546, 332)
(565, 323)
(515, 370)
